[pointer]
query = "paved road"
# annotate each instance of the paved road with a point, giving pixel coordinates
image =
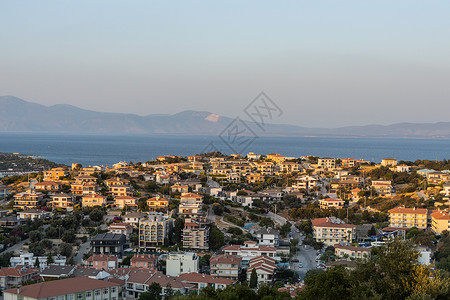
(15, 248)
(84, 248)
(212, 183)
(306, 256)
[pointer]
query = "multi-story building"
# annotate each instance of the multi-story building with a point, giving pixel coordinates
(440, 221)
(133, 218)
(255, 178)
(382, 187)
(122, 201)
(120, 190)
(305, 182)
(275, 157)
(388, 162)
(143, 261)
(331, 203)
(268, 237)
(351, 252)
(63, 201)
(102, 262)
(93, 200)
(4, 191)
(265, 168)
(153, 230)
(264, 267)
(121, 228)
(109, 243)
(196, 234)
(226, 266)
(13, 277)
(116, 181)
(249, 250)
(179, 263)
(28, 200)
(201, 281)
(190, 205)
(289, 167)
(157, 203)
(402, 217)
(70, 289)
(55, 174)
(48, 186)
(332, 230)
(326, 163)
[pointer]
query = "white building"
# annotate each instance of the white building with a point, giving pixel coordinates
(180, 263)
(268, 237)
(251, 249)
(29, 260)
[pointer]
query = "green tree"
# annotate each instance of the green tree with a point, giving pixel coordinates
(253, 279)
(49, 259)
(216, 238)
(65, 249)
(153, 293)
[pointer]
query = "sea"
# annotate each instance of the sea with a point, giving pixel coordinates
(90, 150)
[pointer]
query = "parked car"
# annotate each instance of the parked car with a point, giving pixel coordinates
(294, 260)
(300, 265)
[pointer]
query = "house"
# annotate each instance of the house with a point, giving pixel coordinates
(57, 272)
(9, 221)
(11, 277)
(349, 162)
(289, 167)
(153, 230)
(70, 289)
(255, 178)
(120, 190)
(268, 237)
(32, 214)
(109, 243)
(143, 261)
(226, 266)
(179, 263)
(63, 201)
(388, 162)
(102, 262)
(48, 186)
(437, 177)
(326, 163)
(351, 252)
(157, 203)
(178, 188)
(331, 203)
(195, 234)
(93, 200)
(27, 200)
(332, 230)
(133, 218)
(121, 228)
(138, 281)
(265, 168)
(29, 260)
(305, 182)
(190, 205)
(200, 281)
(116, 181)
(125, 201)
(446, 189)
(265, 269)
(249, 250)
(403, 168)
(440, 221)
(402, 217)
(84, 188)
(275, 157)
(382, 187)
(55, 174)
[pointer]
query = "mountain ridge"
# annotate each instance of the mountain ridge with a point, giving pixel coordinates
(18, 115)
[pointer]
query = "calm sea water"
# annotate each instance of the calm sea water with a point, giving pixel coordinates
(109, 149)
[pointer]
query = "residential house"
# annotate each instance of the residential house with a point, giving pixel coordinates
(63, 201)
(201, 281)
(157, 203)
(437, 177)
(289, 167)
(55, 174)
(13, 277)
(180, 263)
(143, 261)
(226, 266)
(116, 181)
(121, 228)
(326, 163)
(255, 178)
(178, 188)
(69, 289)
(403, 168)
(349, 162)
(331, 203)
(52, 272)
(102, 262)
(125, 201)
(133, 218)
(305, 182)
(27, 200)
(249, 250)
(190, 205)
(382, 187)
(265, 269)
(32, 214)
(4, 191)
(120, 190)
(388, 162)
(48, 186)
(440, 221)
(275, 157)
(351, 252)
(93, 200)
(153, 230)
(268, 237)
(109, 243)
(332, 230)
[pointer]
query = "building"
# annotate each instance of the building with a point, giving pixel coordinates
(179, 263)
(190, 205)
(125, 201)
(120, 190)
(133, 218)
(143, 261)
(226, 266)
(55, 174)
(275, 157)
(332, 230)
(109, 243)
(121, 228)
(326, 163)
(331, 203)
(63, 201)
(403, 168)
(11, 277)
(32, 214)
(201, 281)
(68, 289)
(268, 237)
(349, 162)
(249, 250)
(48, 186)
(29, 260)
(28, 200)
(440, 221)
(305, 182)
(388, 162)
(93, 200)
(153, 230)
(102, 262)
(289, 167)
(157, 203)
(196, 234)
(255, 178)
(4, 191)
(402, 217)
(382, 187)
(351, 252)
(265, 269)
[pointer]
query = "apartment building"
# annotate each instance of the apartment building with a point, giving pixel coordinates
(10, 277)
(102, 262)
(440, 221)
(383, 187)
(64, 201)
(403, 217)
(265, 269)
(195, 234)
(331, 203)
(121, 228)
(351, 252)
(93, 200)
(332, 230)
(275, 157)
(226, 266)
(125, 201)
(268, 237)
(326, 163)
(120, 190)
(249, 250)
(179, 263)
(157, 203)
(55, 174)
(48, 186)
(388, 162)
(27, 200)
(153, 230)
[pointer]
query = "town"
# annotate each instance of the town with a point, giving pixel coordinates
(206, 224)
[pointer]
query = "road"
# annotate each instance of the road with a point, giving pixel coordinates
(84, 248)
(212, 183)
(306, 256)
(15, 248)
(211, 215)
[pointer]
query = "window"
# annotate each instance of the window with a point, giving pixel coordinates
(97, 292)
(88, 294)
(113, 290)
(105, 291)
(80, 296)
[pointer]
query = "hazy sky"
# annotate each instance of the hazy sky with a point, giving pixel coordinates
(326, 63)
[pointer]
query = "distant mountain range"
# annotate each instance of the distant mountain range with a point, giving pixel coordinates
(17, 115)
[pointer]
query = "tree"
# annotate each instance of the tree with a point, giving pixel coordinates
(372, 231)
(142, 205)
(68, 236)
(49, 259)
(216, 238)
(253, 279)
(266, 222)
(153, 293)
(36, 263)
(65, 249)
(332, 284)
(178, 230)
(35, 236)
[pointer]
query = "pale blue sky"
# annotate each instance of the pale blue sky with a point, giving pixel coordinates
(326, 63)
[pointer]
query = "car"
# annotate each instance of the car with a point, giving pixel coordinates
(300, 265)
(294, 260)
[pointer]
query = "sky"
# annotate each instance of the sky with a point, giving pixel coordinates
(324, 63)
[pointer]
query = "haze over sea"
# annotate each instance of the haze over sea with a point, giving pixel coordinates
(110, 149)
